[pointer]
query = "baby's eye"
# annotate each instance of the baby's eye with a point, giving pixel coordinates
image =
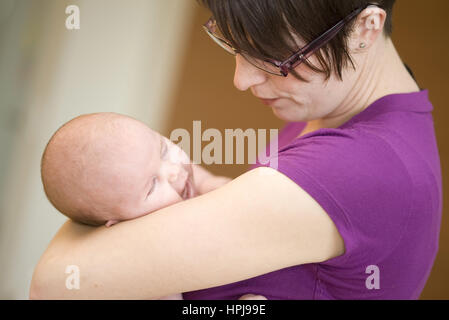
(153, 185)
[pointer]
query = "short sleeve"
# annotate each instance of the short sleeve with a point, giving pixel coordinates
(359, 181)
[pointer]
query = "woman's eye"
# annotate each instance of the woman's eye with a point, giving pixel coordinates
(153, 186)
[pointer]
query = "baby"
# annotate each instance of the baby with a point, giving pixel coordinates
(100, 169)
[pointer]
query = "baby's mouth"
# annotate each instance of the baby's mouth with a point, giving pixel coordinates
(187, 192)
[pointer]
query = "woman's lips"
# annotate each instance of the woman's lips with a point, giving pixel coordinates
(268, 102)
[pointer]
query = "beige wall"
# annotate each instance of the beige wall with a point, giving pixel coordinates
(205, 92)
(123, 59)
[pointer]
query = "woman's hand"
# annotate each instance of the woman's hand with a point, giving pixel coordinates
(252, 297)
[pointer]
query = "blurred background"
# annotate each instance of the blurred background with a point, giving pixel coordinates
(151, 60)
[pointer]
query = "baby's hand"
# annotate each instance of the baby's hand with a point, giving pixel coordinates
(252, 297)
(205, 181)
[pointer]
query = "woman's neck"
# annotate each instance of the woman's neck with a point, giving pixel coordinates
(382, 73)
(393, 77)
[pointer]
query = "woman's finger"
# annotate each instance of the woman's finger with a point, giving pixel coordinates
(252, 297)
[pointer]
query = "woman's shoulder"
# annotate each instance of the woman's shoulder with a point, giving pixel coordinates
(348, 171)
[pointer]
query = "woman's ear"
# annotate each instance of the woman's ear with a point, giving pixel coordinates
(368, 27)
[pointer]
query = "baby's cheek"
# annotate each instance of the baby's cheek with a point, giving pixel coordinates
(184, 158)
(177, 154)
(165, 197)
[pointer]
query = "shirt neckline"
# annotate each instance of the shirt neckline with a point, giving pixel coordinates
(417, 101)
(406, 102)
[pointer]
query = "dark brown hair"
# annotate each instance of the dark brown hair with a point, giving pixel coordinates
(264, 28)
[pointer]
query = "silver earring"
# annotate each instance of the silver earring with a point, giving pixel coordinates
(363, 45)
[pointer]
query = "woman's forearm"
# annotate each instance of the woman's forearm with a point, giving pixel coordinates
(75, 233)
(200, 243)
(106, 267)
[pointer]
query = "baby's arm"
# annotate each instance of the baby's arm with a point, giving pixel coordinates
(206, 181)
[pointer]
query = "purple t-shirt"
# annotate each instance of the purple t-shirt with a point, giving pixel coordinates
(378, 177)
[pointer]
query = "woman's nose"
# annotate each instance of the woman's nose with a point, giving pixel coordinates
(246, 75)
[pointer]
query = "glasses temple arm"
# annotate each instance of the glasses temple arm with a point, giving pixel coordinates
(309, 49)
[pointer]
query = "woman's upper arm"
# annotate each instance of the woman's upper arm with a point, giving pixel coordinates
(258, 223)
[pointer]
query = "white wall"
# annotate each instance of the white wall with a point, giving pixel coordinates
(123, 59)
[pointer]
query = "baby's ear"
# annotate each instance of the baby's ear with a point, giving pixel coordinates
(111, 222)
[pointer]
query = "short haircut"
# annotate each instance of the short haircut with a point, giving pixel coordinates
(263, 28)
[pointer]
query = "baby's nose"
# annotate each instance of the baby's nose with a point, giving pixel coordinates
(173, 172)
(176, 177)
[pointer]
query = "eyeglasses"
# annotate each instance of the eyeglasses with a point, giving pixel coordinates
(282, 68)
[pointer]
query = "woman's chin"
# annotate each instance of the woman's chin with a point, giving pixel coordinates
(282, 114)
(288, 114)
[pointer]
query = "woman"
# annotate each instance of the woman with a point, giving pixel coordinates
(352, 209)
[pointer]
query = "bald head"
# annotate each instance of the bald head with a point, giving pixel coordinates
(84, 161)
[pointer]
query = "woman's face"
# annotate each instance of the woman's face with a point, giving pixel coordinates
(294, 100)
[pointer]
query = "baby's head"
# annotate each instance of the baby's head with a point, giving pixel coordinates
(105, 168)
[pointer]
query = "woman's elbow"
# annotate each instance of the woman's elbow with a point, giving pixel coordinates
(36, 286)
(42, 285)
(34, 292)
